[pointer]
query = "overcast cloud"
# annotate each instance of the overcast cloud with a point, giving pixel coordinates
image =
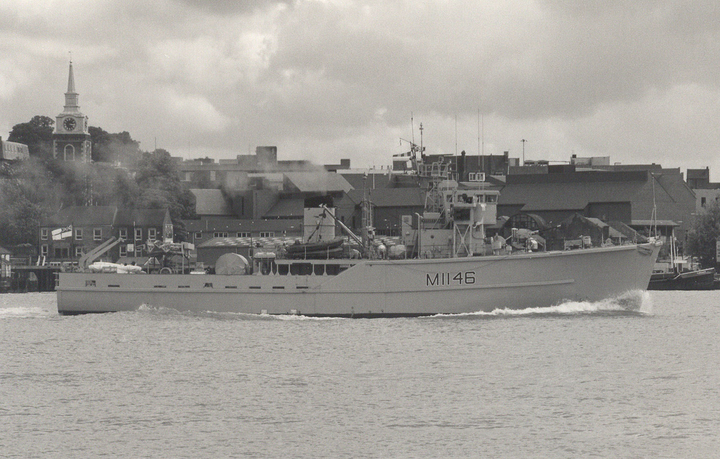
(634, 80)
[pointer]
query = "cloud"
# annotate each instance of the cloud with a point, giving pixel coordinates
(327, 78)
(233, 7)
(192, 112)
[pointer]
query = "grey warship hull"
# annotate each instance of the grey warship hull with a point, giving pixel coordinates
(375, 288)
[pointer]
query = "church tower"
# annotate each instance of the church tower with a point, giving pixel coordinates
(71, 139)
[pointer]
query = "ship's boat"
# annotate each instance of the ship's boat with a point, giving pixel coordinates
(319, 246)
(316, 250)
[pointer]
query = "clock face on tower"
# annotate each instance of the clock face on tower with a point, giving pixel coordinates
(69, 124)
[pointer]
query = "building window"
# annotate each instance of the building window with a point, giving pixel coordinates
(78, 251)
(43, 234)
(138, 234)
(138, 250)
(62, 252)
(243, 234)
(198, 234)
(220, 234)
(97, 234)
(44, 250)
(123, 250)
(78, 234)
(703, 201)
(69, 153)
(152, 234)
(267, 233)
(123, 233)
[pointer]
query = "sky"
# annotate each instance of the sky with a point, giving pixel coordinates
(635, 80)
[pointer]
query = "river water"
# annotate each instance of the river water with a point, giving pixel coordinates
(608, 379)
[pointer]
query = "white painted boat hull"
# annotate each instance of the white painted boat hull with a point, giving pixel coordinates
(378, 288)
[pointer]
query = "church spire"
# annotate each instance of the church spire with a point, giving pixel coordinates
(71, 138)
(71, 97)
(71, 80)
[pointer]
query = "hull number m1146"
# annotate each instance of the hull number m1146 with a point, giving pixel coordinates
(446, 279)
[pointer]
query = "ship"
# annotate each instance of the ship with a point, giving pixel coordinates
(692, 279)
(676, 272)
(444, 263)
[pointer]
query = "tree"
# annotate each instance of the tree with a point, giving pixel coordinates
(36, 134)
(702, 236)
(71, 179)
(36, 188)
(159, 182)
(22, 203)
(113, 148)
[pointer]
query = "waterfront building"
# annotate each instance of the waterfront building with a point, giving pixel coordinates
(5, 269)
(76, 230)
(267, 206)
(13, 151)
(706, 191)
(644, 197)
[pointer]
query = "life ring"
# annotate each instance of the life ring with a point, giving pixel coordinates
(166, 270)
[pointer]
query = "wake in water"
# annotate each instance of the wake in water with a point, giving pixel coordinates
(636, 302)
(164, 311)
(33, 312)
(27, 305)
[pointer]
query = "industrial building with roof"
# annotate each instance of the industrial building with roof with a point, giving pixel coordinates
(640, 198)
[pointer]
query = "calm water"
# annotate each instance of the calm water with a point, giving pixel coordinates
(581, 380)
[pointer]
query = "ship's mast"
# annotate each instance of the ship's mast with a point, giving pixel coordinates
(366, 220)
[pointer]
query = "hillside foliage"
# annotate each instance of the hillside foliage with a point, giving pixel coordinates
(120, 175)
(702, 236)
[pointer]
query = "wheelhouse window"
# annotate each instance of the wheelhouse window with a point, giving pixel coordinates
(267, 234)
(243, 234)
(198, 234)
(220, 234)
